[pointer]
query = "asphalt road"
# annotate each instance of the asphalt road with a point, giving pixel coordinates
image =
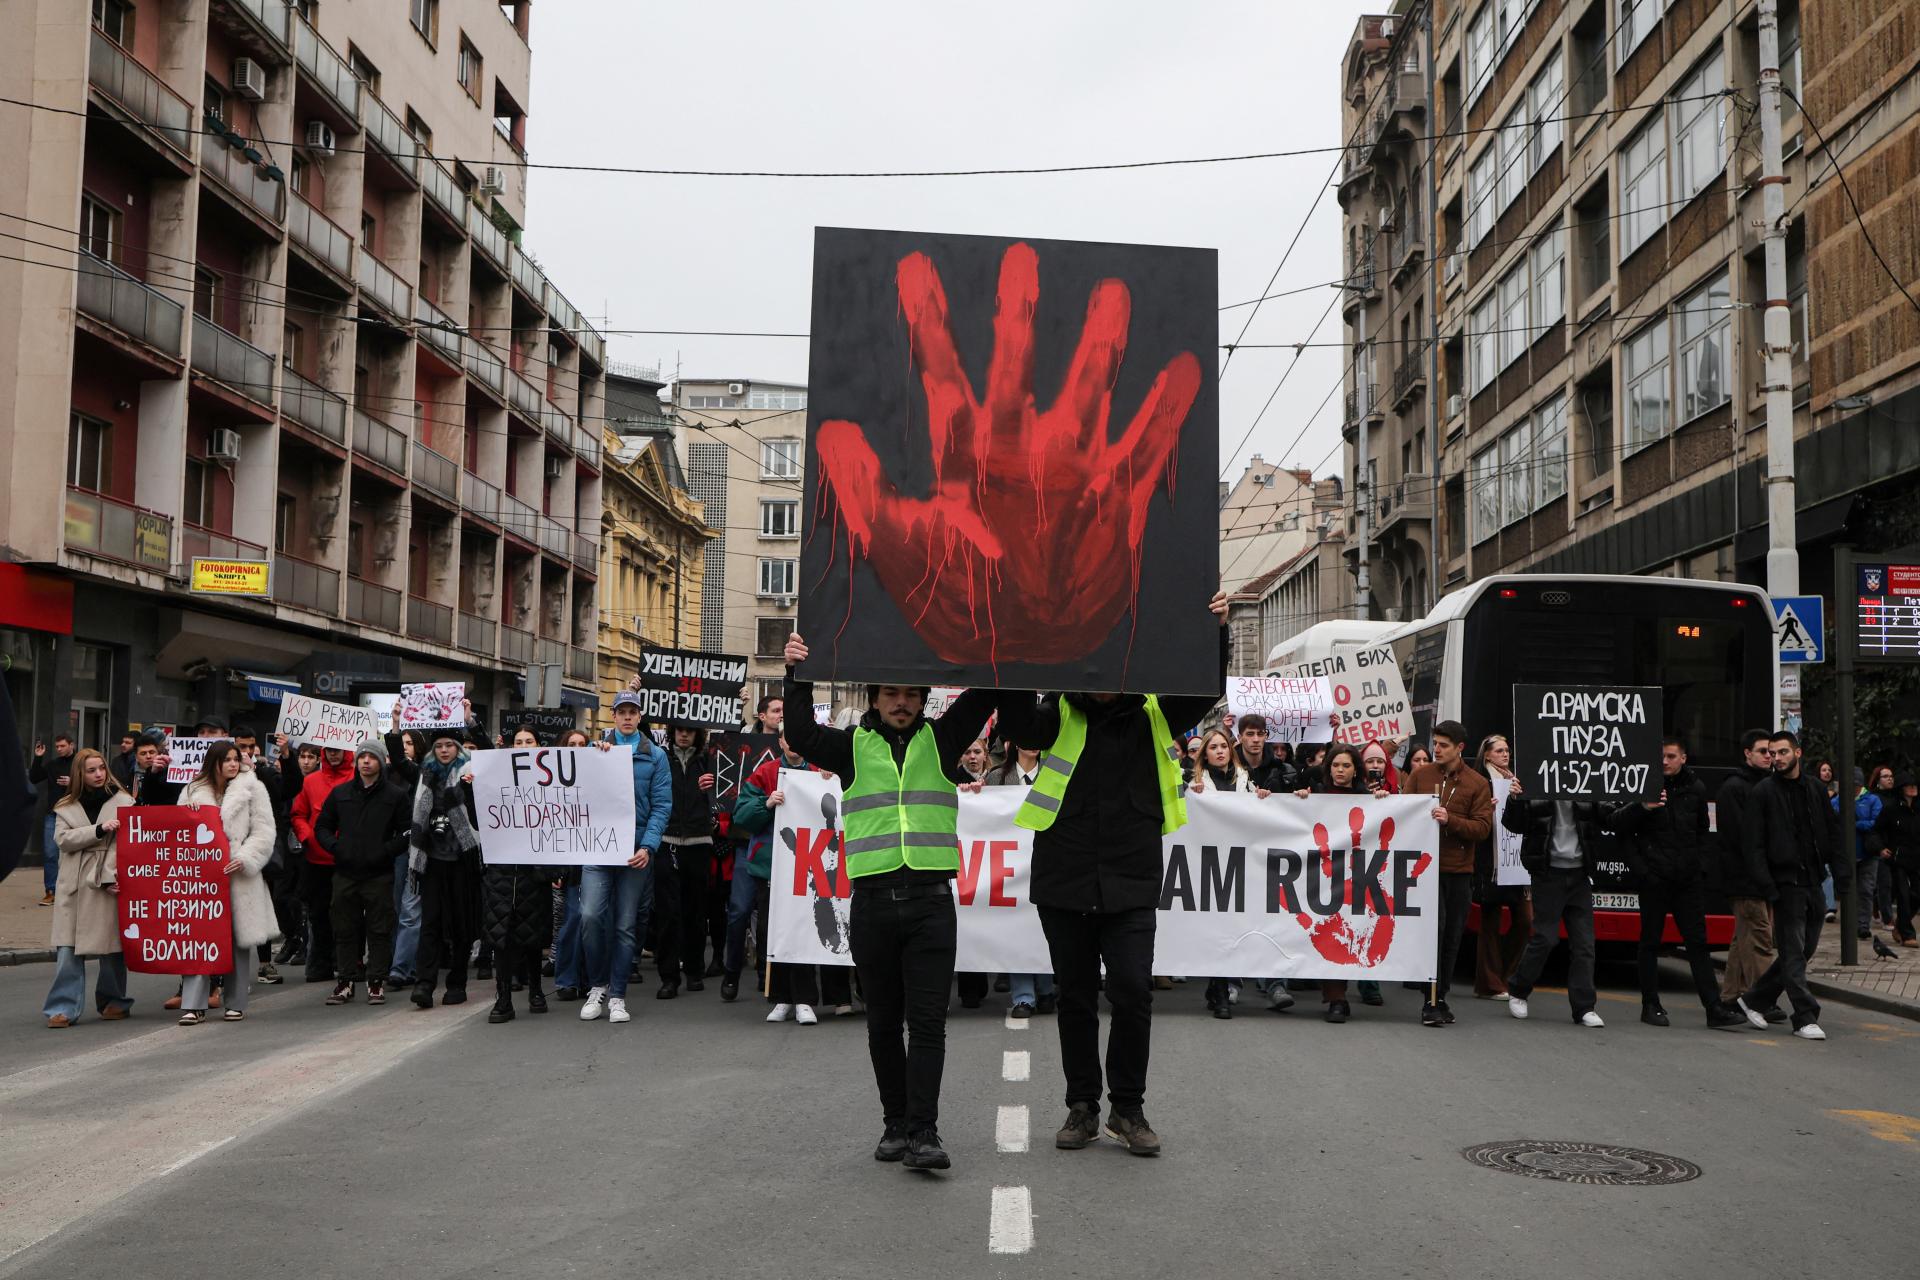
(697, 1141)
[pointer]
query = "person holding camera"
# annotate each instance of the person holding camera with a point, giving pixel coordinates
(443, 858)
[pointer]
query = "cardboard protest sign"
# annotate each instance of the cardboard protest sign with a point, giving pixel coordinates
(1296, 708)
(548, 722)
(555, 806)
(175, 911)
(1031, 507)
(184, 757)
(735, 757)
(1588, 742)
(685, 685)
(1369, 696)
(429, 706)
(325, 724)
(1506, 845)
(1327, 887)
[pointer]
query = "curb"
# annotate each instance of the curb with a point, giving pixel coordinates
(1841, 993)
(27, 955)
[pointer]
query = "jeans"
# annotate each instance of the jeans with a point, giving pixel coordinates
(1079, 942)
(566, 940)
(1456, 895)
(50, 864)
(1684, 903)
(363, 924)
(614, 905)
(1024, 987)
(904, 948)
(1797, 917)
(739, 913)
(70, 983)
(406, 914)
(1559, 895)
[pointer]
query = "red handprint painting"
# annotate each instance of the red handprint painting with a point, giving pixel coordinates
(1012, 450)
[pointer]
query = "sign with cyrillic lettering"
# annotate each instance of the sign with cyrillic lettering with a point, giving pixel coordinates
(690, 687)
(1507, 868)
(184, 756)
(175, 912)
(555, 806)
(430, 705)
(325, 724)
(1587, 742)
(1370, 701)
(1297, 709)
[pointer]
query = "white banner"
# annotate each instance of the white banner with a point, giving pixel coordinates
(325, 724)
(184, 757)
(555, 806)
(428, 706)
(1327, 887)
(1506, 845)
(1296, 708)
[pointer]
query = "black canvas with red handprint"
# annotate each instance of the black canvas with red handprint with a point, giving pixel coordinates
(1011, 458)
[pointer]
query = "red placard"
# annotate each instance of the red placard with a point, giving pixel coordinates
(175, 913)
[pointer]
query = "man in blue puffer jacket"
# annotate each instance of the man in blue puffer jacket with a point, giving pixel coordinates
(615, 901)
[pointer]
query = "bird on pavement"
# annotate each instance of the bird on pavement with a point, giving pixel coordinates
(1884, 951)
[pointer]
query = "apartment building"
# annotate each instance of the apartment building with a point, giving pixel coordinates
(1312, 582)
(1265, 518)
(283, 315)
(1573, 212)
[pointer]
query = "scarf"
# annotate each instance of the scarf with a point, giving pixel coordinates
(438, 792)
(92, 801)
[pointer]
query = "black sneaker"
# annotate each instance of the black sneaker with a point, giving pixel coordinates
(1081, 1128)
(715, 969)
(1020, 1010)
(667, 991)
(484, 973)
(1774, 1015)
(730, 987)
(893, 1145)
(1446, 1013)
(423, 995)
(454, 995)
(342, 992)
(1133, 1132)
(925, 1152)
(1338, 1011)
(1726, 1018)
(1047, 1004)
(695, 984)
(1430, 1016)
(566, 993)
(1654, 1016)
(1223, 1011)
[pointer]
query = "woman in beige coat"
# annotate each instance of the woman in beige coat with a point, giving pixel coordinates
(86, 906)
(246, 815)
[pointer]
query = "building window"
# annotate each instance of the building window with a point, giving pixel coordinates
(99, 229)
(1702, 322)
(205, 286)
(777, 398)
(468, 68)
(1486, 493)
(1547, 261)
(1643, 381)
(776, 577)
(418, 128)
(199, 495)
(1545, 97)
(425, 16)
(1634, 21)
(356, 534)
(283, 509)
(213, 100)
(114, 18)
(292, 340)
(770, 636)
(779, 519)
(1513, 147)
(1790, 57)
(1482, 344)
(1480, 53)
(1797, 298)
(89, 452)
(369, 234)
(363, 69)
(1643, 186)
(1550, 450)
(780, 459)
(1699, 149)
(1516, 471)
(1480, 184)
(1512, 320)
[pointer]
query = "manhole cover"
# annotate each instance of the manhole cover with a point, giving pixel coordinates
(1585, 1162)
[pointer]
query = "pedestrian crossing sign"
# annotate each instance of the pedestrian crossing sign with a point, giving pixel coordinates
(1800, 626)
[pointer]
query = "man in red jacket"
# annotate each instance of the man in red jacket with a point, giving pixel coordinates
(316, 885)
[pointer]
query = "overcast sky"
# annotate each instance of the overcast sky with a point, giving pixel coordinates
(887, 84)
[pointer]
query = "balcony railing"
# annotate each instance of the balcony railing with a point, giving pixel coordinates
(486, 367)
(378, 281)
(379, 442)
(443, 190)
(587, 445)
(429, 621)
(515, 645)
(305, 584)
(486, 237)
(1360, 269)
(554, 539)
(477, 634)
(118, 530)
(245, 179)
(435, 472)
(523, 395)
(211, 544)
(113, 297)
(551, 653)
(328, 69)
(373, 604)
(526, 275)
(436, 327)
(117, 74)
(586, 553)
(1411, 373)
(273, 17)
(391, 137)
(562, 312)
(579, 664)
(479, 497)
(592, 345)
(229, 358)
(518, 518)
(320, 236)
(557, 424)
(313, 406)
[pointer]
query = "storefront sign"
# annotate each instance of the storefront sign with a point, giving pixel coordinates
(229, 577)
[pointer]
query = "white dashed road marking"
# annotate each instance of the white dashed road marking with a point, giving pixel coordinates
(1012, 1221)
(1010, 1130)
(1015, 1064)
(1017, 1024)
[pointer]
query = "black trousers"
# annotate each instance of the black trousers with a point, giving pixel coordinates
(1079, 942)
(512, 964)
(680, 904)
(1456, 896)
(1559, 897)
(449, 921)
(316, 894)
(904, 947)
(1687, 906)
(363, 924)
(1798, 913)
(1903, 900)
(663, 928)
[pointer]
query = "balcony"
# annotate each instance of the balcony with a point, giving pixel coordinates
(321, 237)
(118, 530)
(391, 139)
(580, 664)
(436, 328)
(1410, 500)
(313, 407)
(117, 300)
(486, 368)
(587, 446)
(519, 519)
(305, 584)
(1411, 374)
(554, 539)
(271, 18)
(592, 345)
(558, 426)
(372, 604)
(378, 281)
(442, 191)
(487, 238)
(140, 95)
(481, 498)
(523, 396)
(230, 359)
(515, 645)
(1361, 283)
(248, 182)
(586, 554)
(526, 276)
(436, 473)
(211, 544)
(561, 312)
(550, 653)
(327, 68)
(377, 442)
(477, 634)
(429, 621)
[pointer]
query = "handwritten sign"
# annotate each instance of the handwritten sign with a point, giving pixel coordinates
(1369, 697)
(691, 687)
(555, 806)
(1296, 708)
(1588, 742)
(325, 724)
(429, 706)
(1507, 869)
(735, 757)
(548, 722)
(184, 757)
(175, 913)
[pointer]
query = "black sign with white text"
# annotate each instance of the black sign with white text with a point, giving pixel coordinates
(690, 687)
(548, 722)
(1587, 742)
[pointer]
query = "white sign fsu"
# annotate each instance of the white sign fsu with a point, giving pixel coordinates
(555, 806)
(1326, 887)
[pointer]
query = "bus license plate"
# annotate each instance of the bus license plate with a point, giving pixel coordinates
(1616, 901)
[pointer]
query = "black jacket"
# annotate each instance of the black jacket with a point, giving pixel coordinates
(1768, 830)
(516, 907)
(152, 787)
(1670, 842)
(1270, 774)
(121, 767)
(364, 827)
(1742, 878)
(692, 816)
(1532, 821)
(46, 773)
(1899, 826)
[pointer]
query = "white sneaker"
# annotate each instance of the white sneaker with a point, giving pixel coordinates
(1753, 1015)
(1233, 995)
(1279, 998)
(592, 1006)
(804, 1015)
(617, 1010)
(1811, 1031)
(1516, 1006)
(781, 1013)
(1591, 1019)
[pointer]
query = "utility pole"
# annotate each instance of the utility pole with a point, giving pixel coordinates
(1431, 238)
(1362, 491)
(1783, 555)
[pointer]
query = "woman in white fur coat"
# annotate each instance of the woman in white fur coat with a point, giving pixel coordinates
(246, 813)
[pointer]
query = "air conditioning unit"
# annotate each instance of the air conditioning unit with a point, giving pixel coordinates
(249, 79)
(556, 467)
(736, 388)
(493, 180)
(1456, 404)
(1386, 219)
(320, 138)
(223, 445)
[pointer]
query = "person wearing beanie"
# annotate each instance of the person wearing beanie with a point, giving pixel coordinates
(363, 828)
(443, 862)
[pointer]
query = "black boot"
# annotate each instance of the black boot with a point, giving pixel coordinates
(536, 994)
(502, 1010)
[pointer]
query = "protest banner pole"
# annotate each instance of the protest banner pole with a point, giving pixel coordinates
(1433, 983)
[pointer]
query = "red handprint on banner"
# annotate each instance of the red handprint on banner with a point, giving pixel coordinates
(1029, 542)
(1343, 938)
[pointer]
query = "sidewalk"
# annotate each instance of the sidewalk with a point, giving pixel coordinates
(25, 926)
(1888, 986)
